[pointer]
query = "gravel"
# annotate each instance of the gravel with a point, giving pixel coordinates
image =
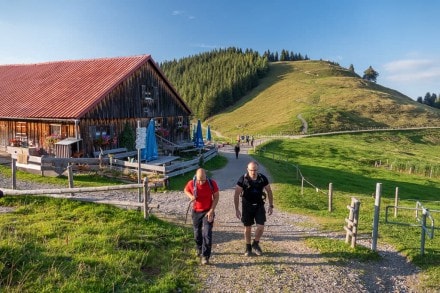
(287, 265)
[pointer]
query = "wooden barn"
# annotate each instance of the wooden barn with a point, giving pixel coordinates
(78, 107)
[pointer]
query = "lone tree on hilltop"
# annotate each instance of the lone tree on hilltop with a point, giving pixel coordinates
(351, 68)
(370, 74)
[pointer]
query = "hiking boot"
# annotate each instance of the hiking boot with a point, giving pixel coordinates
(205, 260)
(257, 249)
(248, 252)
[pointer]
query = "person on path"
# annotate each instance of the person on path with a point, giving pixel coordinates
(204, 193)
(253, 187)
(237, 150)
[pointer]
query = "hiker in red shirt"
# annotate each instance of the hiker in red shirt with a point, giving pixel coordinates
(204, 194)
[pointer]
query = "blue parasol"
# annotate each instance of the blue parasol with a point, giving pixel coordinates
(150, 153)
(208, 134)
(198, 143)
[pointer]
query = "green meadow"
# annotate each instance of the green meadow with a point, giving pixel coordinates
(355, 164)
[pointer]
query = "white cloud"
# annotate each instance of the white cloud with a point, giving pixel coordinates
(183, 14)
(412, 70)
(177, 12)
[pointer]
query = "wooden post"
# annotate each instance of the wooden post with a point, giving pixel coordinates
(376, 217)
(396, 201)
(70, 178)
(352, 222)
(139, 165)
(14, 173)
(302, 185)
(146, 197)
(330, 197)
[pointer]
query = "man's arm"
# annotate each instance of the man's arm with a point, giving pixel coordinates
(269, 197)
(189, 193)
(237, 193)
(210, 214)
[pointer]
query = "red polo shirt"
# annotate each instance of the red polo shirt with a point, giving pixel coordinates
(203, 201)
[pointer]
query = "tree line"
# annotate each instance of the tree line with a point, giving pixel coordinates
(212, 81)
(430, 99)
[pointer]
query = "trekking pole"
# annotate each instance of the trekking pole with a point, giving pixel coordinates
(187, 210)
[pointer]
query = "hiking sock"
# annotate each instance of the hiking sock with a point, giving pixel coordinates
(248, 247)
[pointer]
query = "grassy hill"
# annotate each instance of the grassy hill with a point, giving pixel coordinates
(326, 95)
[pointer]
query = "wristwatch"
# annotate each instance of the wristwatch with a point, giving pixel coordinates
(271, 206)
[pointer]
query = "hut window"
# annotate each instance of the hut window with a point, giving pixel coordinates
(55, 130)
(21, 131)
(158, 122)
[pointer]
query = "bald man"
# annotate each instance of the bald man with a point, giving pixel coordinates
(252, 186)
(204, 194)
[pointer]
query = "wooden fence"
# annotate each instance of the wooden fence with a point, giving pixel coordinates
(352, 222)
(143, 202)
(166, 166)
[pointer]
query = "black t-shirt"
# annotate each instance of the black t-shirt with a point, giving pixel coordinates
(253, 189)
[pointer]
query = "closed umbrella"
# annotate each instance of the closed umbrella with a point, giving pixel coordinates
(198, 143)
(150, 153)
(208, 134)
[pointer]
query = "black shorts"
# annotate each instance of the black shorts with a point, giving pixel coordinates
(253, 213)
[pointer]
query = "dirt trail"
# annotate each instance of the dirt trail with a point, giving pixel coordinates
(288, 265)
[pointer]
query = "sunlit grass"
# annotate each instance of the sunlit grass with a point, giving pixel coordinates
(348, 162)
(327, 96)
(55, 245)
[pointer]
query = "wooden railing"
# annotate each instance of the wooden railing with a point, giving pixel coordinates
(167, 166)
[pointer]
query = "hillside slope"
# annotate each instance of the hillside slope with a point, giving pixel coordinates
(326, 95)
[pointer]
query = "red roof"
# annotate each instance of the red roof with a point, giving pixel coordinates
(64, 89)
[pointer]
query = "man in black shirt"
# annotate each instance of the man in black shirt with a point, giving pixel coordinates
(251, 187)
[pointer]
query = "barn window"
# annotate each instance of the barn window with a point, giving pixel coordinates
(55, 130)
(21, 131)
(179, 121)
(158, 122)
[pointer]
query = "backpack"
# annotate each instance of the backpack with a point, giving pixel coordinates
(247, 185)
(195, 185)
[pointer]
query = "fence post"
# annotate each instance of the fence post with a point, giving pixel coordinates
(330, 197)
(146, 197)
(70, 177)
(376, 216)
(422, 240)
(352, 222)
(14, 173)
(302, 185)
(396, 201)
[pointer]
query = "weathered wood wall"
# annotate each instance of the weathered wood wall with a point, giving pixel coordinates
(125, 103)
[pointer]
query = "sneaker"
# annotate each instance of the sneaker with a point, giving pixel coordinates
(248, 252)
(205, 260)
(257, 249)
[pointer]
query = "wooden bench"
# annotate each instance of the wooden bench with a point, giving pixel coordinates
(125, 155)
(108, 152)
(162, 160)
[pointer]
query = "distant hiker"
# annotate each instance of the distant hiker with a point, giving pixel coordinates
(251, 187)
(204, 194)
(247, 139)
(237, 150)
(252, 141)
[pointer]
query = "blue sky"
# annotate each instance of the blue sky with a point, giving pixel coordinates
(399, 39)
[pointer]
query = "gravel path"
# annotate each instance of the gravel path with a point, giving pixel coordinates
(287, 264)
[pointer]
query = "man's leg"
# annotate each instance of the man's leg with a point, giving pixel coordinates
(247, 238)
(197, 227)
(258, 232)
(207, 237)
